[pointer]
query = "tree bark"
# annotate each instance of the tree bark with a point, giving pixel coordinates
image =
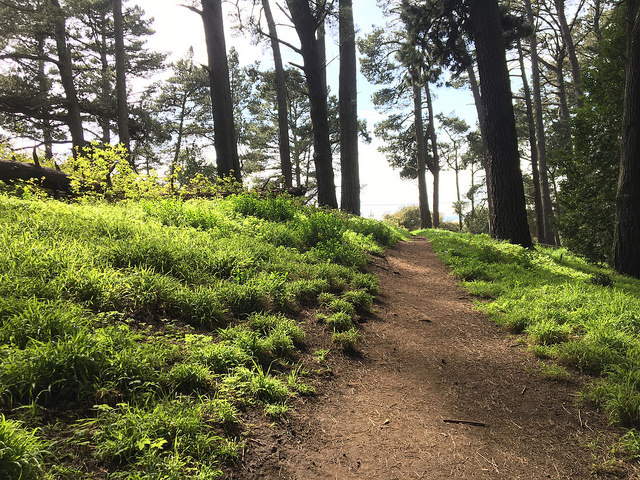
(477, 100)
(434, 165)
(570, 46)
(626, 241)
(225, 139)
(509, 216)
(65, 66)
(49, 178)
(547, 234)
(421, 154)
(531, 124)
(348, 104)
(306, 25)
(281, 98)
(121, 80)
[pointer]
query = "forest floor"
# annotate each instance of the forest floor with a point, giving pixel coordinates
(437, 392)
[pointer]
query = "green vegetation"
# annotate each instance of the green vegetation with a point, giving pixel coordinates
(583, 316)
(134, 335)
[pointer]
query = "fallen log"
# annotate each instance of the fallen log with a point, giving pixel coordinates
(49, 178)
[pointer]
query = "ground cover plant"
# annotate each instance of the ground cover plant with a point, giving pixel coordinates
(135, 335)
(581, 316)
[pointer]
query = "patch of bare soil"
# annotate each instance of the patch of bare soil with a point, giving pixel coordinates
(439, 392)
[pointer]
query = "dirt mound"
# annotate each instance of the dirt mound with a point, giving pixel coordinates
(439, 392)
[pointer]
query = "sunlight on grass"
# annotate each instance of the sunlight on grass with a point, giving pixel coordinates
(147, 326)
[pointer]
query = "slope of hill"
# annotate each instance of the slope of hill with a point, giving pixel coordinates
(134, 336)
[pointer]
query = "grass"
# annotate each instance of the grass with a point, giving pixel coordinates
(584, 317)
(134, 335)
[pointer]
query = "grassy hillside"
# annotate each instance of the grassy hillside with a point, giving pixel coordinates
(134, 336)
(577, 317)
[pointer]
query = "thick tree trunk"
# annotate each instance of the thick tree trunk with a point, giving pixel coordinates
(434, 165)
(626, 241)
(306, 24)
(44, 86)
(421, 154)
(477, 100)
(531, 124)
(348, 94)
(121, 80)
(74, 119)
(227, 160)
(47, 177)
(105, 87)
(281, 98)
(509, 216)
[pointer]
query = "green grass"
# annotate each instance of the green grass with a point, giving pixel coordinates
(147, 327)
(583, 316)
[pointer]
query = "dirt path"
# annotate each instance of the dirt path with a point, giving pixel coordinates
(428, 358)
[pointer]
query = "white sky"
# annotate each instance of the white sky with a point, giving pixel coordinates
(383, 191)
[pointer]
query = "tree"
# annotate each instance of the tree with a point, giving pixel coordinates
(306, 24)
(121, 82)
(391, 61)
(456, 129)
(281, 96)
(65, 68)
(509, 218)
(227, 160)
(348, 95)
(626, 239)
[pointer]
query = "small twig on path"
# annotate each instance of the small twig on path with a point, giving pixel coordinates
(523, 390)
(465, 422)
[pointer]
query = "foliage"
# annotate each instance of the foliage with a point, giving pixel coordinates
(549, 295)
(590, 177)
(407, 217)
(170, 316)
(21, 451)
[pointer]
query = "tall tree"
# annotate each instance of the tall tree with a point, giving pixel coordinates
(65, 67)
(306, 25)
(456, 129)
(226, 143)
(121, 81)
(547, 234)
(509, 217)
(281, 95)
(434, 163)
(626, 240)
(348, 98)
(421, 156)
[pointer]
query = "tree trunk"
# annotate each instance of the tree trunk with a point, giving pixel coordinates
(509, 216)
(105, 87)
(477, 100)
(74, 120)
(48, 178)
(225, 139)
(281, 98)
(571, 49)
(176, 154)
(421, 154)
(306, 24)
(457, 170)
(44, 86)
(434, 165)
(626, 241)
(348, 93)
(547, 234)
(531, 124)
(121, 80)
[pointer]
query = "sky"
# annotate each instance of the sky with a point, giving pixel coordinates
(178, 28)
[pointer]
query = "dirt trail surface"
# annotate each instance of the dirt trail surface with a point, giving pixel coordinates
(439, 392)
